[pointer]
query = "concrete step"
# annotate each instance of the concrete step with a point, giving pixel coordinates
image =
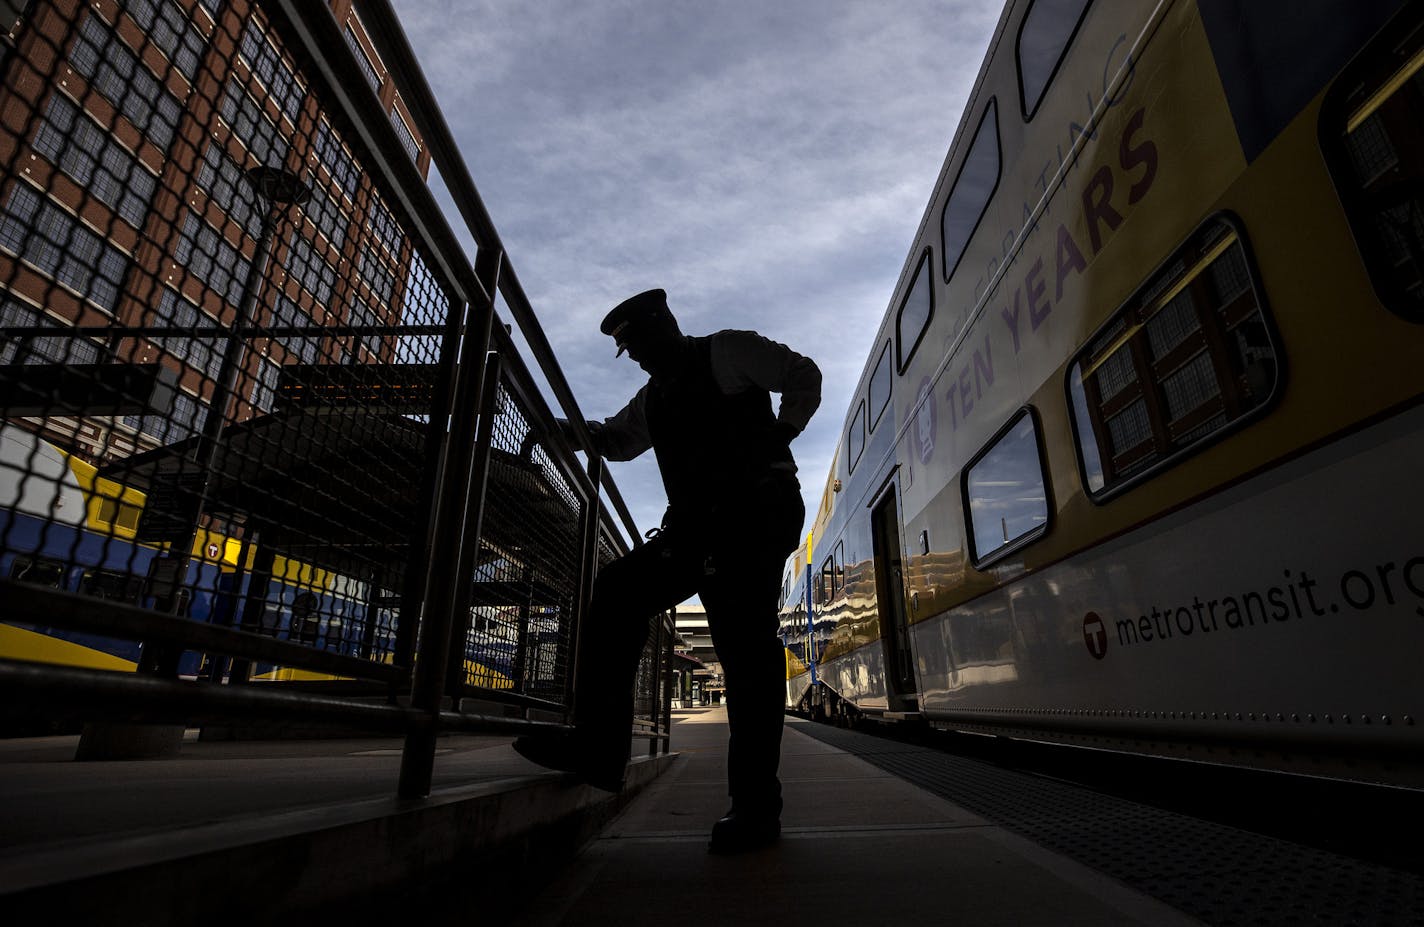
(277, 832)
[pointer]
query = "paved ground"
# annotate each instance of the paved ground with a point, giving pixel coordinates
(860, 847)
(49, 799)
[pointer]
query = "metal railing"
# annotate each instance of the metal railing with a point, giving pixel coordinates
(266, 450)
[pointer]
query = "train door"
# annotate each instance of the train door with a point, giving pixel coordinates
(890, 595)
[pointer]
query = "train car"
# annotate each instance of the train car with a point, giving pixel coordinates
(797, 637)
(1132, 462)
(63, 526)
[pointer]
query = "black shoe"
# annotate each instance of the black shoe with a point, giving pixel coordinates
(559, 751)
(742, 831)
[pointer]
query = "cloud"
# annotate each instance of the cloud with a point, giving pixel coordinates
(766, 163)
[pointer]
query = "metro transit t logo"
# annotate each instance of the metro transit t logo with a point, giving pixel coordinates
(1095, 635)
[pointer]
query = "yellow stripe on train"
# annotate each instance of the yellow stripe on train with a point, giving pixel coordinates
(20, 644)
(478, 674)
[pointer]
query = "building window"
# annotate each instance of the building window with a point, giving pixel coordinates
(363, 60)
(310, 269)
(272, 71)
(1005, 491)
(423, 300)
(54, 242)
(878, 392)
(914, 316)
(203, 354)
(211, 258)
(1190, 354)
(361, 314)
(1047, 31)
(170, 29)
(380, 278)
(338, 163)
(186, 419)
(226, 186)
(57, 349)
(81, 148)
(288, 314)
(382, 225)
(1375, 140)
(407, 139)
(264, 387)
(251, 126)
(115, 72)
(322, 210)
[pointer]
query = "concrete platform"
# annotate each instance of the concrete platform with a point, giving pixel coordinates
(859, 847)
(280, 832)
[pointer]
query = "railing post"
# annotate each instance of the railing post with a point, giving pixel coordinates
(519, 664)
(254, 605)
(655, 708)
(452, 500)
(422, 536)
(671, 677)
(278, 189)
(588, 571)
(474, 514)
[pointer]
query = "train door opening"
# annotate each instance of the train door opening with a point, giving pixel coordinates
(890, 596)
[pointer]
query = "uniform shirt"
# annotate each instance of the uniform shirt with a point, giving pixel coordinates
(740, 361)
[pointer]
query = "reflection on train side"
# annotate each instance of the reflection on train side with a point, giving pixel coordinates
(1149, 479)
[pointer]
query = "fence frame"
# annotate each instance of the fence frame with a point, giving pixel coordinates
(476, 352)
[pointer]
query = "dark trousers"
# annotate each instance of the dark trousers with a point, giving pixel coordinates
(734, 564)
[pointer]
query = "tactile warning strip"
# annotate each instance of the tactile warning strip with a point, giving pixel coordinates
(1216, 873)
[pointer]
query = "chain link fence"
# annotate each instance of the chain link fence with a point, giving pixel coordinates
(236, 344)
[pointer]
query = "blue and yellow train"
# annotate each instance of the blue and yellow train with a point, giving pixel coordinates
(64, 526)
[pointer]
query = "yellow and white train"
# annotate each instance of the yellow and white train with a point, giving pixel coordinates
(1135, 458)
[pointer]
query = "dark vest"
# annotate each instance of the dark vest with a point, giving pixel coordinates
(711, 448)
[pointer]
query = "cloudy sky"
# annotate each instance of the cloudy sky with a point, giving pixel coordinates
(767, 162)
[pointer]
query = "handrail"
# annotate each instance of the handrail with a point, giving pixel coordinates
(38, 605)
(316, 27)
(399, 58)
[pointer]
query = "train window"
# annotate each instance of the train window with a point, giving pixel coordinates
(975, 185)
(1189, 356)
(1005, 492)
(914, 315)
(855, 436)
(1047, 31)
(879, 390)
(40, 571)
(112, 585)
(1373, 133)
(118, 514)
(306, 622)
(832, 579)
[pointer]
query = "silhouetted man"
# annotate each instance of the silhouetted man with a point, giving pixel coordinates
(734, 514)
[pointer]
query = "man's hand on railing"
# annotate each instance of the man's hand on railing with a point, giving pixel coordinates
(566, 428)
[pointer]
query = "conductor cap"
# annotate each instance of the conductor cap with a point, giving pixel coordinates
(636, 314)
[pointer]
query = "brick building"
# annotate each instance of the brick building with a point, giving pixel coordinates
(126, 127)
